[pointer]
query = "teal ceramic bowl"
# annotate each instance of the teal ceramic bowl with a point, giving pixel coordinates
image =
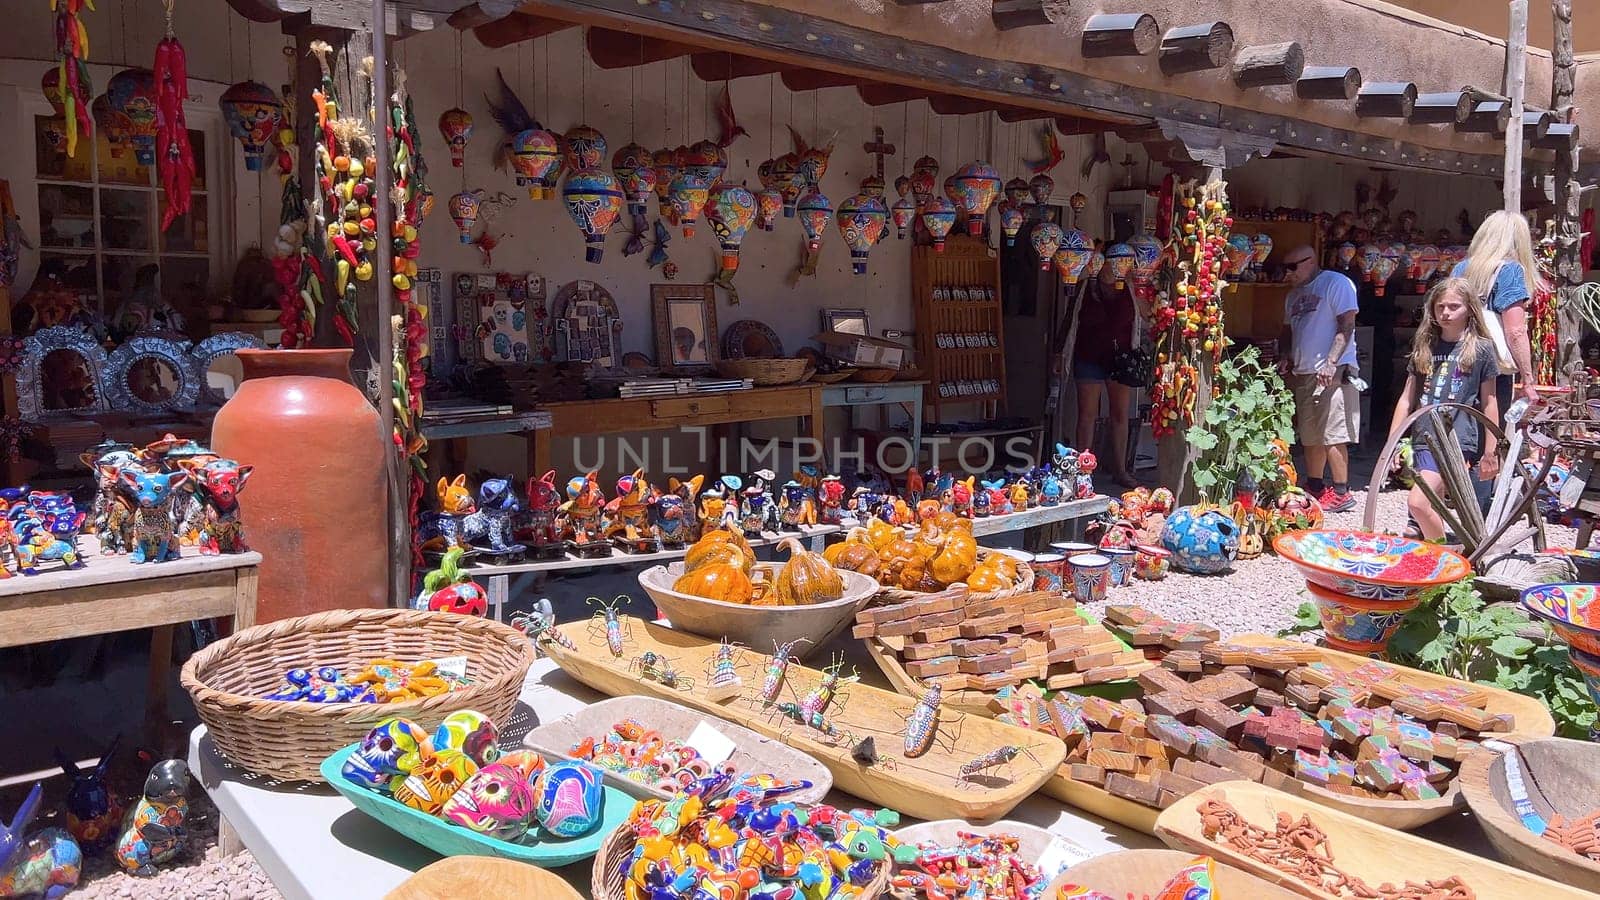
(1573, 610)
(446, 839)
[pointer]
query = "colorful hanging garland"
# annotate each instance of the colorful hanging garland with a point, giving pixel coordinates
(1188, 320)
(411, 199)
(72, 49)
(175, 158)
(345, 174)
(1546, 324)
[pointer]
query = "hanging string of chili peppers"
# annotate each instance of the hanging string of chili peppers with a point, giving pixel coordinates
(1544, 340)
(295, 266)
(1188, 320)
(345, 170)
(72, 48)
(410, 198)
(175, 162)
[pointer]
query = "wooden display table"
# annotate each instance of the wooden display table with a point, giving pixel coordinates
(584, 418)
(112, 594)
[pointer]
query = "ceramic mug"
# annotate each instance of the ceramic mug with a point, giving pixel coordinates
(1121, 565)
(1091, 576)
(1151, 563)
(1049, 572)
(1069, 549)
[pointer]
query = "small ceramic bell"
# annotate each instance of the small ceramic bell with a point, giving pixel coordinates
(569, 799)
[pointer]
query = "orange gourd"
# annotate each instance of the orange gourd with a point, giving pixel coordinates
(806, 578)
(720, 546)
(716, 581)
(986, 578)
(882, 534)
(856, 557)
(956, 559)
(854, 539)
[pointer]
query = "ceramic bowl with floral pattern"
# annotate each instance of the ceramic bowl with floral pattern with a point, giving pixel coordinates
(1370, 566)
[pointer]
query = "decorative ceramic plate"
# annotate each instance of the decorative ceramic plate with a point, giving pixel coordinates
(1571, 610)
(750, 339)
(1370, 566)
(452, 840)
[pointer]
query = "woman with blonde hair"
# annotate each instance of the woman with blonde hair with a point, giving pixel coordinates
(1501, 274)
(1452, 361)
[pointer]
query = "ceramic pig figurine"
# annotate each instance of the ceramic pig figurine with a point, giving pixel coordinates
(216, 513)
(155, 534)
(93, 812)
(153, 832)
(47, 863)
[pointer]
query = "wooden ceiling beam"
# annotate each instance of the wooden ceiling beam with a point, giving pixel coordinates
(718, 66)
(798, 79)
(1386, 100)
(873, 94)
(1018, 114)
(1328, 83)
(621, 49)
(349, 15)
(1441, 108)
(1009, 14)
(1559, 136)
(1268, 64)
(1536, 123)
(1487, 117)
(951, 105)
(1196, 48)
(516, 28)
(1120, 34)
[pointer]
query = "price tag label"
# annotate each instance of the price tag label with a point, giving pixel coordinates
(710, 743)
(1062, 854)
(452, 667)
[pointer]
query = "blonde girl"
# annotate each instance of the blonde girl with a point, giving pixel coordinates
(1501, 273)
(1452, 361)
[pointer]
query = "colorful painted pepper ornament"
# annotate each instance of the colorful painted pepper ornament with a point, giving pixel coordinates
(569, 800)
(536, 158)
(938, 217)
(973, 189)
(594, 201)
(464, 209)
(455, 125)
(814, 210)
(861, 221)
(1012, 216)
(497, 801)
(732, 210)
(636, 173)
(254, 113)
(1046, 239)
(389, 752)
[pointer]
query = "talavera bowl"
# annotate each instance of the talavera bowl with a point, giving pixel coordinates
(1573, 610)
(1359, 626)
(1370, 566)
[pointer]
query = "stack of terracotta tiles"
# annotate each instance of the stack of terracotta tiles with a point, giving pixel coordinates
(985, 645)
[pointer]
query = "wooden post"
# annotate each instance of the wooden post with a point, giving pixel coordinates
(1516, 84)
(383, 211)
(1328, 83)
(1568, 229)
(1268, 64)
(1009, 14)
(1122, 34)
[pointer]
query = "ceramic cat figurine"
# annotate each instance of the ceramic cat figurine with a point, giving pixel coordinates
(498, 507)
(442, 530)
(155, 533)
(46, 863)
(153, 832)
(111, 514)
(544, 499)
(628, 513)
(216, 514)
(93, 812)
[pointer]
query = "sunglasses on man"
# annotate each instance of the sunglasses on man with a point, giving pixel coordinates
(1292, 266)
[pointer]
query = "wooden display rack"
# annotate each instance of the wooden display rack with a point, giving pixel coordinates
(1254, 309)
(965, 262)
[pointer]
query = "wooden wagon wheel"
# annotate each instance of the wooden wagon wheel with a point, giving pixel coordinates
(1478, 533)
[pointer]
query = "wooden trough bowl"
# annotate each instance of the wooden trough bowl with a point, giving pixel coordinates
(1561, 776)
(1033, 842)
(1146, 872)
(758, 627)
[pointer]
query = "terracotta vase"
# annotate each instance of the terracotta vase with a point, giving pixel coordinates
(315, 504)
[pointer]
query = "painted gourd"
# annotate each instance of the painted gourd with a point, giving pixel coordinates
(722, 581)
(957, 559)
(806, 578)
(720, 546)
(987, 578)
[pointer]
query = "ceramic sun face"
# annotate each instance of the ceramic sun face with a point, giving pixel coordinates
(569, 799)
(497, 802)
(471, 733)
(389, 751)
(434, 781)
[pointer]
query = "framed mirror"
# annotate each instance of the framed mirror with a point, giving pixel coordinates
(63, 371)
(151, 374)
(216, 367)
(685, 317)
(849, 321)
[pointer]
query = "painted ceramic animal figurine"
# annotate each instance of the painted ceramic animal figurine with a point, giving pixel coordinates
(59, 513)
(539, 521)
(36, 544)
(1050, 492)
(670, 521)
(580, 515)
(628, 514)
(999, 499)
(831, 501)
(799, 506)
(441, 529)
(216, 513)
(47, 862)
(1065, 463)
(497, 510)
(712, 505)
(980, 504)
(155, 534)
(1084, 483)
(916, 488)
(864, 503)
(961, 494)
(111, 514)
(758, 513)
(688, 491)
(1021, 497)
(93, 813)
(153, 832)
(448, 589)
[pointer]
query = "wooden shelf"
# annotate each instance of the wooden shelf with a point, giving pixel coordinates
(966, 262)
(1245, 312)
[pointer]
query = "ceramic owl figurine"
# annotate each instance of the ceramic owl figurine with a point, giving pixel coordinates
(153, 832)
(46, 863)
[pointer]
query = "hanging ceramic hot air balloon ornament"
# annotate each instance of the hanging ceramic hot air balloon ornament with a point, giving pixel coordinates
(112, 124)
(811, 163)
(583, 148)
(689, 194)
(132, 92)
(862, 220)
(254, 114)
(1261, 246)
(1077, 201)
(924, 180)
(972, 189)
(784, 171)
(814, 211)
(1146, 260)
(594, 201)
(1012, 217)
(1097, 261)
(636, 174)
(1390, 259)
(1240, 251)
(731, 210)
(1413, 261)
(464, 209)
(1046, 240)
(1427, 264)
(536, 158)
(1120, 258)
(938, 217)
(665, 163)
(707, 161)
(1040, 187)
(769, 200)
(903, 213)
(1367, 256)
(1072, 256)
(1017, 192)
(455, 125)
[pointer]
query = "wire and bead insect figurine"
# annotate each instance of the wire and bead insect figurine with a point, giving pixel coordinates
(540, 626)
(818, 698)
(608, 622)
(816, 721)
(777, 670)
(722, 672)
(658, 668)
(924, 722)
(996, 757)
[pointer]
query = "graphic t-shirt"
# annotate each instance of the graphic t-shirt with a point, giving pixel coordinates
(1451, 381)
(1312, 311)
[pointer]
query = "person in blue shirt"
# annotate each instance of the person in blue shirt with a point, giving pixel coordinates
(1500, 271)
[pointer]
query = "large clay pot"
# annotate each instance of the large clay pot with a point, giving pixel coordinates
(315, 506)
(1201, 541)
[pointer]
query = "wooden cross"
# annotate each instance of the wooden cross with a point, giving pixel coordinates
(1285, 729)
(878, 149)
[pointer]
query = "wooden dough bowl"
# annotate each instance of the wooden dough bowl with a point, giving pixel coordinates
(928, 786)
(1146, 872)
(483, 878)
(1561, 776)
(1362, 848)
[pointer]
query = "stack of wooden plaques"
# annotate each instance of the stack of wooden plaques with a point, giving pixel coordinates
(1278, 715)
(973, 648)
(1154, 635)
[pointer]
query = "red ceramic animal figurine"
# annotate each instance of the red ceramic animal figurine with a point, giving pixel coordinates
(217, 486)
(544, 501)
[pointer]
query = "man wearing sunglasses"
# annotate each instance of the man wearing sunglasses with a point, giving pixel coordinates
(1317, 355)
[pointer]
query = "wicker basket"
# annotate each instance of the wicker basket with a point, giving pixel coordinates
(832, 377)
(766, 372)
(874, 376)
(1024, 584)
(289, 739)
(608, 883)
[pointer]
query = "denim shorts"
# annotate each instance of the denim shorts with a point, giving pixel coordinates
(1422, 460)
(1089, 372)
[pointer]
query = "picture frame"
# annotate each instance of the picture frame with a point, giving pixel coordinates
(685, 320)
(846, 320)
